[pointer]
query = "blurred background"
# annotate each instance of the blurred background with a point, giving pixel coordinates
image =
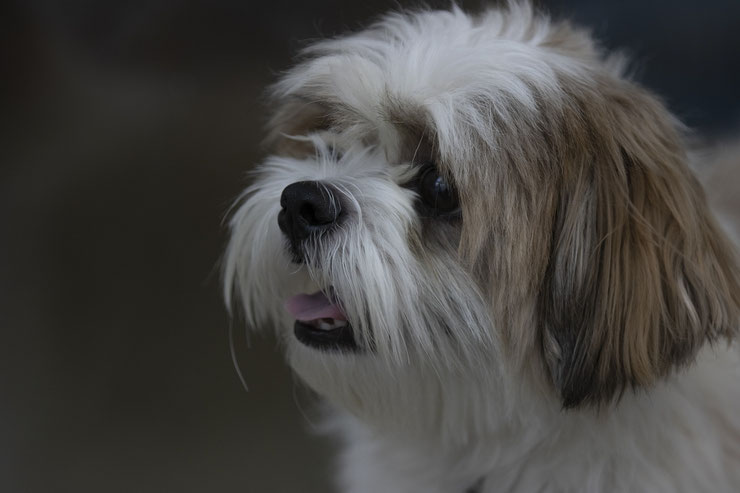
(126, 129)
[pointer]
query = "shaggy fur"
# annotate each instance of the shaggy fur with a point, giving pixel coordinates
(570, 330)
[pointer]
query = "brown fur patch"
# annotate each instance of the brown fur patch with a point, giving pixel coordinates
(640, 276)
(593, 228)
(295, 117)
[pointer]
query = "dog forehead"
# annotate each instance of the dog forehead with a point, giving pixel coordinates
(431, 57)
(435, 71)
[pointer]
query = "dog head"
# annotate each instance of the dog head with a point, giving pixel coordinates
(479, 196)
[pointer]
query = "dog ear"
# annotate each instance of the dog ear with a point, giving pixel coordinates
(639, 275)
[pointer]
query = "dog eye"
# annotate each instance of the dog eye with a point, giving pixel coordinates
(436, 192)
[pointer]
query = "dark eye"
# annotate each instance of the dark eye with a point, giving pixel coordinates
(437, 193)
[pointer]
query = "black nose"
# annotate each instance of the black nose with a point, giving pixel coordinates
(308, 207)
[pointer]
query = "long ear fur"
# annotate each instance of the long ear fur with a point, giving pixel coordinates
(640, 275)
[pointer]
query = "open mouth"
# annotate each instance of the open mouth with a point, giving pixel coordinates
(320, 322)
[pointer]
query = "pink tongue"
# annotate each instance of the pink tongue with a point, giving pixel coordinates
(306, 307)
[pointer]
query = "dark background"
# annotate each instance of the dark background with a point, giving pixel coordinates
(125, 132)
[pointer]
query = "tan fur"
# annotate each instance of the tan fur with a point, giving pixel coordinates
(594, 218)
(294, 118)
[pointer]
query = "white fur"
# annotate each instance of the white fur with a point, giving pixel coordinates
(419, 414)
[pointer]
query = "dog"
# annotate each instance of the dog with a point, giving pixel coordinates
(481, 243)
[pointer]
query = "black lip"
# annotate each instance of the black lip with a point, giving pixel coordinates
(340, 339)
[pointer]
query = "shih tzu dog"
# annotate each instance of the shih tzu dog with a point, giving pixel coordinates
(482, 244)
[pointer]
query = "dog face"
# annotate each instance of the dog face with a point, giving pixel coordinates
(476, 199)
